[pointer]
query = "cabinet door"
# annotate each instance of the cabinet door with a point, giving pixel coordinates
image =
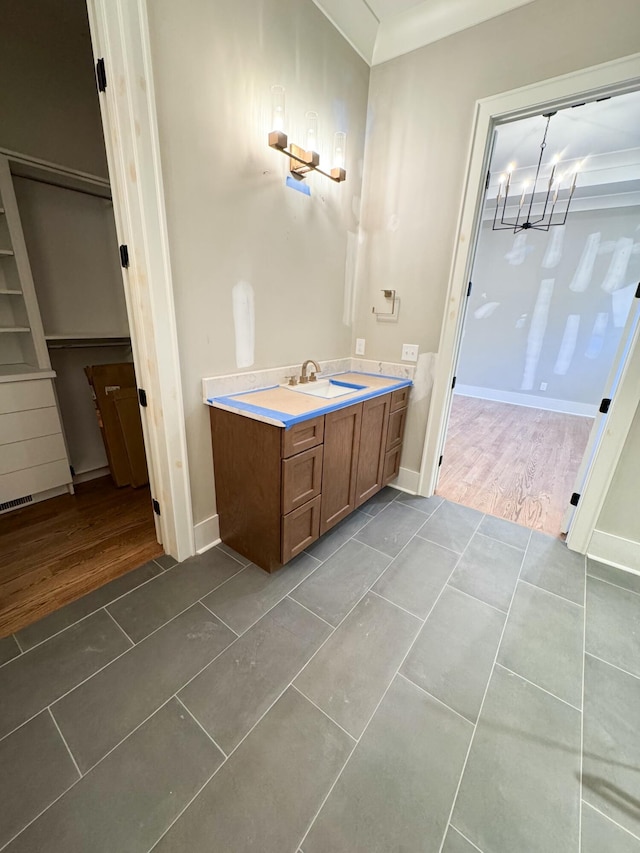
(396, 429)
(339, 471)
(373, 437)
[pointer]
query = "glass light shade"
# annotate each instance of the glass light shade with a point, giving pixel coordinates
(311, 119)
(339, 150)
(277, 108)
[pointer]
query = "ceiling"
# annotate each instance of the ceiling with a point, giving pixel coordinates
(601, 127)
(383, 29)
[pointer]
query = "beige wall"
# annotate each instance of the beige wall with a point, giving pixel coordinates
(48, 103)
(619, 515)
(230, 217)
(421, 109)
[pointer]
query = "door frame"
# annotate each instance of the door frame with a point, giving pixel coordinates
(120, 36)
(611, 78)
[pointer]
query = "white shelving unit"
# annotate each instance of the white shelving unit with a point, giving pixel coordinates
(30, 427)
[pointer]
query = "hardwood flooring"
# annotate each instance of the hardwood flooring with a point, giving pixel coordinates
(56, 551)
(511, 461)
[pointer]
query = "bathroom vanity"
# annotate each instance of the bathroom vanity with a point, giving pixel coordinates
(291, 462)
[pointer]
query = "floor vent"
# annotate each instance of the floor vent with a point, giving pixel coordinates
(16, 502)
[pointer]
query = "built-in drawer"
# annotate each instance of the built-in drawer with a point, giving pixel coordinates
(20, 426)
(391, 465)
(400, 398)
(30, 481)
(301, 478)
(31, 394)
(302, 436)
(396, 428)
(300, 528)
(34, 451)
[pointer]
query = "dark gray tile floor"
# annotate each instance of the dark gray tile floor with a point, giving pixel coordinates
(415, 682)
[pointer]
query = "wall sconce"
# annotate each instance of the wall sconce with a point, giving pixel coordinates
(301, 160)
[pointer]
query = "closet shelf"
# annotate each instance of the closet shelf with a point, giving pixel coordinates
(8, 253)
(20, 372)
(8, 329)
(6, 292)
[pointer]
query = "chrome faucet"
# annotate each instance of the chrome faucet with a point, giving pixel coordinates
(303, 375)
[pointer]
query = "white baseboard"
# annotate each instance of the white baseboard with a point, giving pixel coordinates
(85, 476)
(206, 534)
(615, 551)
(407, 481)
(529, 400)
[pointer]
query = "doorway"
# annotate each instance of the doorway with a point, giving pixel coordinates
(548, 324)
(75, 505)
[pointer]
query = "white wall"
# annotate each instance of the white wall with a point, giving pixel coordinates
(48, 101)
(421, 111)
(230, 217)
(79, 420)
(73, 253)
(619, 516)
(504, 349)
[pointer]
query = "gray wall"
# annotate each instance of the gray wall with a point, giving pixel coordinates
(501, 350)
(421, 113)
(48, 103)
(230, 217)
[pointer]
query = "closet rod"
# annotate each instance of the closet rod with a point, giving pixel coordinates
(88, 344)
(61, 185)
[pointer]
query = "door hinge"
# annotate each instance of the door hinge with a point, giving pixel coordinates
(638, 291)
(604, 405)
(453, 384)
(440, 462)
(156, 506)
(142, 397)
(575, 497)
(486, 185)
(469, 289)
(124, 256)
(101, 75)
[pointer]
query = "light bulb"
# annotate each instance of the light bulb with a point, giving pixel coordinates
(277, 108)
(511, 167)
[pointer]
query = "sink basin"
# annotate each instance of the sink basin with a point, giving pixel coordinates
(325, 388)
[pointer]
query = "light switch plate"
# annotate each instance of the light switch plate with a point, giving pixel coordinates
(410, 352)
(360, 346)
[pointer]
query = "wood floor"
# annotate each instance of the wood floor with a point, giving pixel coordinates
(511, 461)
(56, 551)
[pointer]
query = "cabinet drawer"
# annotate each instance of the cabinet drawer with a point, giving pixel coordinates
(400, 399)
(30, 481)
(396, 428)
(34, 451)
(302, 436)
(20, 396)
(300, 528)
(301, 478)
(20, 426)
(391, 465)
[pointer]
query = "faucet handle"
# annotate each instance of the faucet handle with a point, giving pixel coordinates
(293, 380)
(312, 377)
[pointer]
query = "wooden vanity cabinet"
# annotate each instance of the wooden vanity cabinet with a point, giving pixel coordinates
(278, 490)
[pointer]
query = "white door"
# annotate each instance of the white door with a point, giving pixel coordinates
(613, 382)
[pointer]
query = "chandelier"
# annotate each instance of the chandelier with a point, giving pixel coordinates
(557, 199)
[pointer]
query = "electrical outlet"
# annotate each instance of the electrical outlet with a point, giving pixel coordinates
(359, 346)
(543, 386)
(410, 352)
